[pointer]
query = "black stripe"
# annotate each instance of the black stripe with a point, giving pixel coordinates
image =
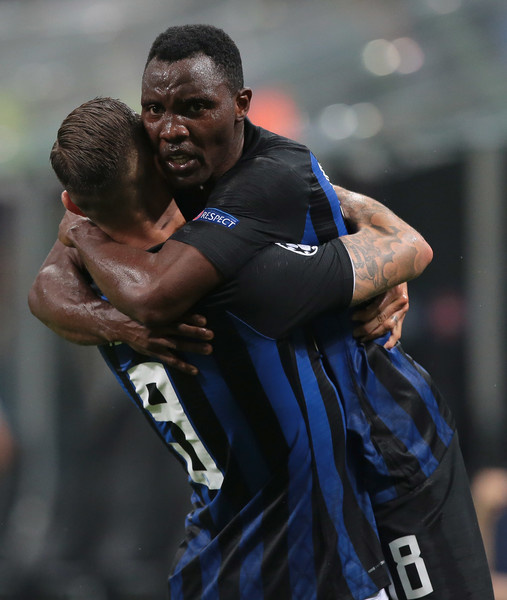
(191, 580)
(443, 407)
(239, 373)
(406, 396)
(213, 436)
(204, 420)
(275, 524)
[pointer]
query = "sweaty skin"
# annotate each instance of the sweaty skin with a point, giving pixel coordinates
(186, 111)
(156, 289)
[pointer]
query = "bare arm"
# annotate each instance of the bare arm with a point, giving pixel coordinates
(61, 288)
(385, 251)
(152, 288)
(62, 299)
(157, 288)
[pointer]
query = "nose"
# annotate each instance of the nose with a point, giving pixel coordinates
(173, 128)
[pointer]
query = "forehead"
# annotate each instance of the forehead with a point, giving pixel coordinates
(197, 74)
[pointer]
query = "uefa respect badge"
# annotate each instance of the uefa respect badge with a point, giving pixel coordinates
(215, 215)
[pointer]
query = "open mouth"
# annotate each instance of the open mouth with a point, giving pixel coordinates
(181, 162)
(179, 159)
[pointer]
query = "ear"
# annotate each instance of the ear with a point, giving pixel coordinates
(243, 98)
(70, 206)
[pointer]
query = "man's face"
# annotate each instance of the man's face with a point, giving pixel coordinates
(192, 119)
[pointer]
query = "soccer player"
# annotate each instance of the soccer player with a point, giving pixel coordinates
(235, 441)
(258, 188)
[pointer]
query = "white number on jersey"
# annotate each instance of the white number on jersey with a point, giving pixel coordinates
(153, 373)
(407, 554)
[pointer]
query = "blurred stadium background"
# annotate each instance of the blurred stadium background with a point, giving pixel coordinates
(405, 100)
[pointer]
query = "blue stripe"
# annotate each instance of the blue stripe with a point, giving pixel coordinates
(211, 562)
(176, 586)
(333, 199)
(250, 577)
(309, 235)
(299, 535)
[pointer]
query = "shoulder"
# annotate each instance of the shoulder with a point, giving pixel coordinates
(272, 163)
(260, 142)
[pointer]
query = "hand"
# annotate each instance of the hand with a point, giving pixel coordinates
(188, 335)
(383, 314)
(69, 221)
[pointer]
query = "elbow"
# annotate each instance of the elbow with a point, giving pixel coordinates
(154, 311)
(424, 255)
(34, 303)
(150, 316)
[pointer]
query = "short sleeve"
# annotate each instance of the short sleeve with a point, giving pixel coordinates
(259, 202)
(287, 285)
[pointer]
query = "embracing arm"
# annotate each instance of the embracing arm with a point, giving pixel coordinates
(60, 288)
(385, 251)
(304, 281)
(61, 297)
(152, 288)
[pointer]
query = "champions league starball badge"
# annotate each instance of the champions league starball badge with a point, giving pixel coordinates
(302, 249)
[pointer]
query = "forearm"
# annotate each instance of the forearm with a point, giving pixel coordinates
(63, 300)
(385, 251)
(152, 288)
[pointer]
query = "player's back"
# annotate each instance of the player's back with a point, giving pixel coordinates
(260, 431)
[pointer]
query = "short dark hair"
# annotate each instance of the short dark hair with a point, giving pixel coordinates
(93, 145)
(185, 41)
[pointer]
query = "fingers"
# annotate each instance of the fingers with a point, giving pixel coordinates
(379, 326)
(178, 364)
(194, 319)
(163, 349)
(185, 345)
(395, 336)
(169, 358)
(191, 326)
(384, 314)
(192, 332)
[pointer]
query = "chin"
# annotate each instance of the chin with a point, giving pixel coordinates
(181, 182)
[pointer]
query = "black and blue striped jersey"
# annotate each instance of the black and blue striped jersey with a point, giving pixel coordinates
(290, 436)
(278, 509)
(399, 424)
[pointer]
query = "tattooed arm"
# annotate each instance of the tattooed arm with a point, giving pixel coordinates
(301, 282)
(385, 251)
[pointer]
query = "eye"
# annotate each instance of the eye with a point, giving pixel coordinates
(196, 106)
(153, 109)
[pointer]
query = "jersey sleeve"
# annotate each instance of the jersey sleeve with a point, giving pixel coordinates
(259, 202)
(287, 285)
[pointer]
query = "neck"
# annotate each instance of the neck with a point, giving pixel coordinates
(144, 229)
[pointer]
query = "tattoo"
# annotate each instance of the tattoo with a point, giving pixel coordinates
(381, 254)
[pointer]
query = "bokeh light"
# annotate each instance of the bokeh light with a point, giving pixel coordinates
(276, 110)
